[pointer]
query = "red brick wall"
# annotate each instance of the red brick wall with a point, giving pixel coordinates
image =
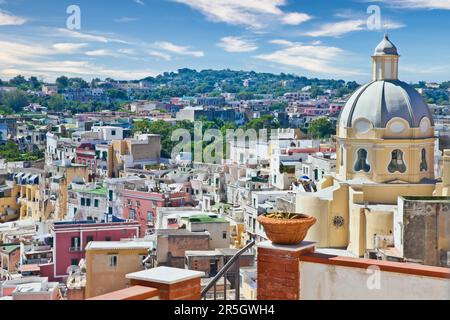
(279, 274)
(186, 290)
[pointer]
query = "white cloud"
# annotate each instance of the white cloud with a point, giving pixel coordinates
(295, 18)
(160, 55)
(315, 58)
(417, 4)
(237, 44)
(340, 28)
(101, 53)
(177, 49)
(141, 2)
(41, 60)
(68, 47)
(250, 13)
(8, 19)
(88, 36)
(127, 51)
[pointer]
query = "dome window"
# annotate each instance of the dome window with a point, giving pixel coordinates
(423, 164)
(425, 125)
(361, 164)
(362, 126)
(397, 164)
(398, 127)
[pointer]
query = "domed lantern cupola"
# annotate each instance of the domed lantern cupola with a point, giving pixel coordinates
(385, 61)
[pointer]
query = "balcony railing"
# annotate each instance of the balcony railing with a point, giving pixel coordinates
(75, 249)
(231, 268)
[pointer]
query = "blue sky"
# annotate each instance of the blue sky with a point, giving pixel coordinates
(131, 39)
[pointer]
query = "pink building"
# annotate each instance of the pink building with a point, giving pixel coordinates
(70, 240)
(141, 206)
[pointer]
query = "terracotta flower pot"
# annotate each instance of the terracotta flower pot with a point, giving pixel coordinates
(287, 232)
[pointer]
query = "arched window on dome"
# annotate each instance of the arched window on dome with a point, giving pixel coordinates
(424, 164)
(397, 164)
(361, 163)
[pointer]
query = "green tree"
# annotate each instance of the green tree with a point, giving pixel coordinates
(18, 81)
(16, 100)
(62, 82)
(321, 128)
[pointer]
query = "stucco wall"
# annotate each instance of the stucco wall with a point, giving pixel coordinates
(324, 281)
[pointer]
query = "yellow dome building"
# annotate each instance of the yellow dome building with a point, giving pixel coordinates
(385, 149)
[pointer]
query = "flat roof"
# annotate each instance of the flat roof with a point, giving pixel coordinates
(206, 219)
(165, 275)
(119, 245)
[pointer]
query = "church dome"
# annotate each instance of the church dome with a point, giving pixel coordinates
(381, 101)
(386, 97)
(386, 47)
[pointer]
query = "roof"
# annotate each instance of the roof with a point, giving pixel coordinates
(100, 191)
(206, 219)
(9, 248)
(119, 245)
(165, 275)
(386, 47)
(380, 101)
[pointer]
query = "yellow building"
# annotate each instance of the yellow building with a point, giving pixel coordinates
(385, 149)
(64, 173)
(107, 264)
(9, 208)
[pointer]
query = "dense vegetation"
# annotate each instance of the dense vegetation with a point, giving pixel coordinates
(184, 82)
(321, 128)
(166, 129)
(191, 82)
(10, 152)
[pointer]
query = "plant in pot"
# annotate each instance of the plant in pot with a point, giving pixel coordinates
(286, 228)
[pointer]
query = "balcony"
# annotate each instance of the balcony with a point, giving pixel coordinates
(75, 249)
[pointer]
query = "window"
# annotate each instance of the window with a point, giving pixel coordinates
(113, 261)
(397, 164)
(224, 235)
(88, 202)
(96, 203)
(75, 242)
(138, 204)
(424, 164)
(111, 195)
(361, 163)
(113, 132)
(342, 156)
(132, 214)
(83, 202)
(150, 217)
(74, 262)
(89, 239)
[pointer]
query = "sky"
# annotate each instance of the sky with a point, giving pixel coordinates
(133, 39)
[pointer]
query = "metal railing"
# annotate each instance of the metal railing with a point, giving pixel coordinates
(230, 268)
